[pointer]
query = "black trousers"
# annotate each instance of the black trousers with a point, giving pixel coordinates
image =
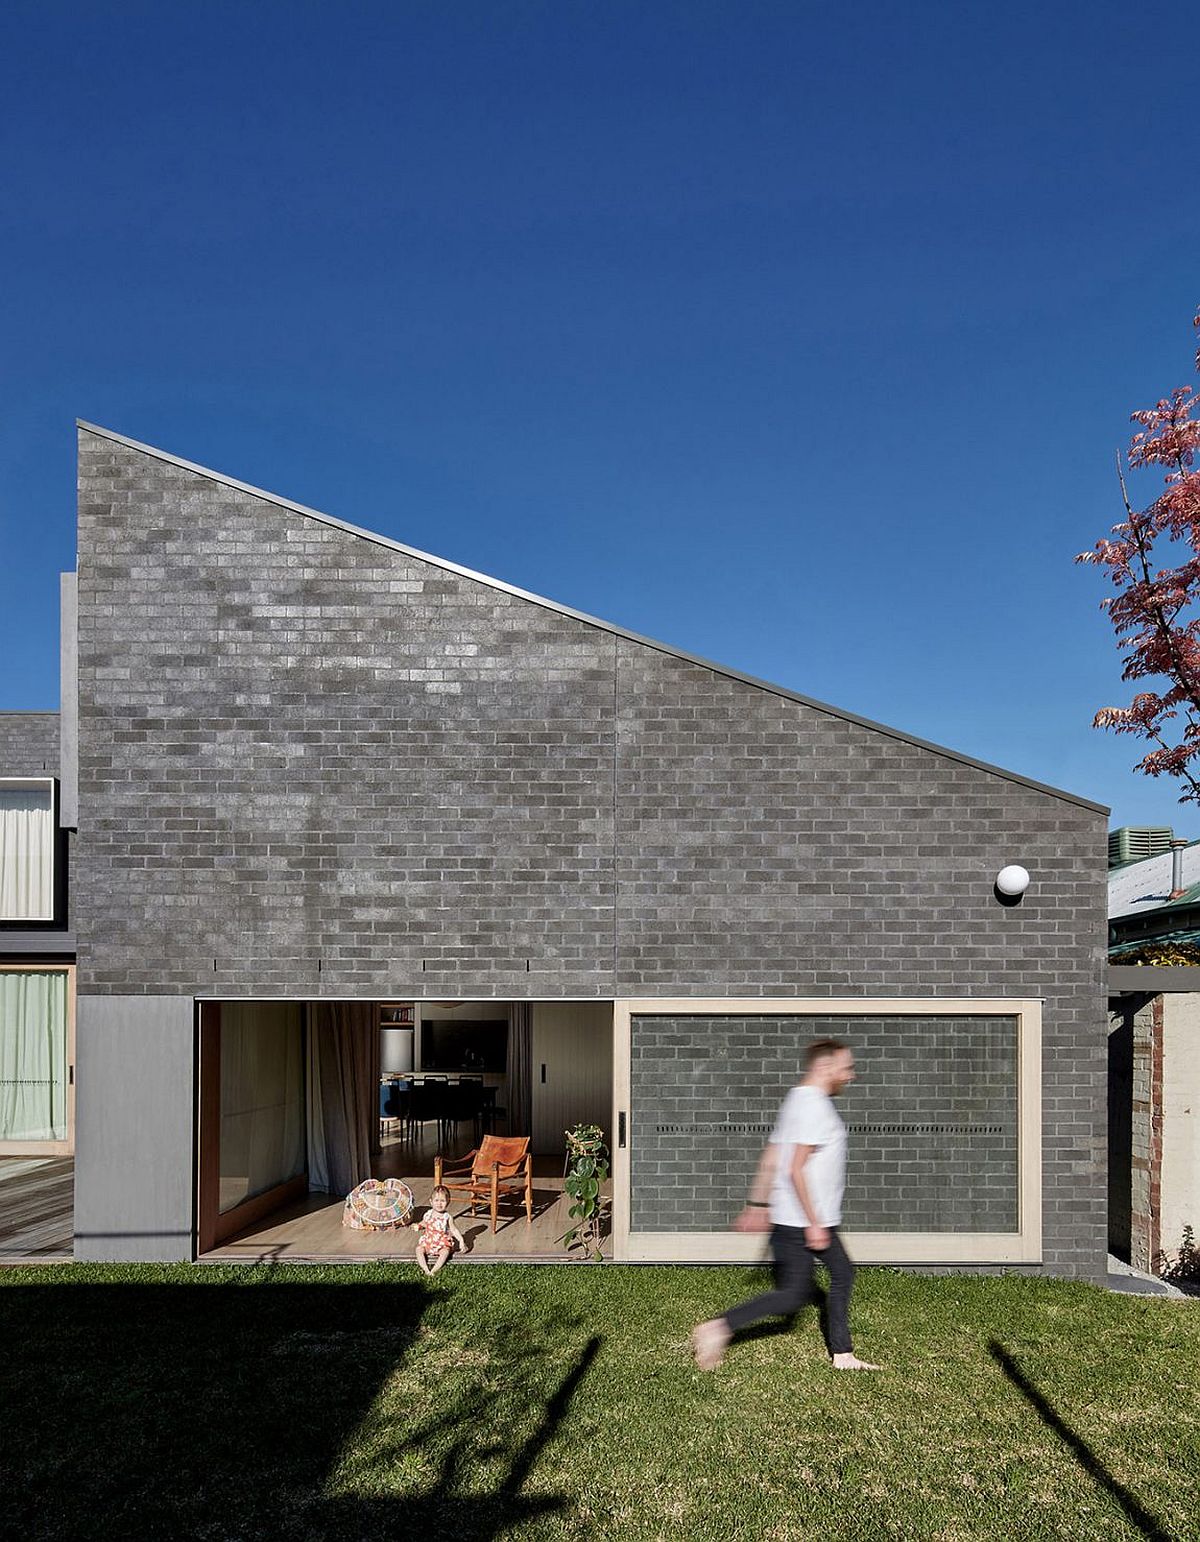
(794, 1261)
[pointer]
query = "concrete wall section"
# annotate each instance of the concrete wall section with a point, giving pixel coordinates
(28, 743)
(134, 1133)
(68, 753)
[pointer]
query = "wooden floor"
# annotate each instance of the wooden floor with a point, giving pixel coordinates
(311, 1230)
(37, 1209)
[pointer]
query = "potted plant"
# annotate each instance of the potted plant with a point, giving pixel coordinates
(585, 1172)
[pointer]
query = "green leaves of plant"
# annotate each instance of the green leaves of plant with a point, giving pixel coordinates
(587, 1158)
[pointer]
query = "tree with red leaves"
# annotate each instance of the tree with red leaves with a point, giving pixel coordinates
(1153, 561)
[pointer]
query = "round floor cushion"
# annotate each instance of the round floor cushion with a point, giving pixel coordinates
(379, 1204)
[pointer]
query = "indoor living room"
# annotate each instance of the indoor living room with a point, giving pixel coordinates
(324, 1126)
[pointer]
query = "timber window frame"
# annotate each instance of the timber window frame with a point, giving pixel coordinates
(1023, 1246)
(66, 1146)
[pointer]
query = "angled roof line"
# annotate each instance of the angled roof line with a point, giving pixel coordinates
(596, 621)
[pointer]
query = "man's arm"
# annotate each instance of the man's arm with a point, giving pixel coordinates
(754, 1215)
(815, 1234)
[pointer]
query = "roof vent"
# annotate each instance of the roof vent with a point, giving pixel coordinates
(1133, 843)
(1178, 888)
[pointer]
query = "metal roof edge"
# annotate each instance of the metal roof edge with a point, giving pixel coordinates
(607, 626)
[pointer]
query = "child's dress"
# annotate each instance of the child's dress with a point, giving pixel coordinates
(434, 1231)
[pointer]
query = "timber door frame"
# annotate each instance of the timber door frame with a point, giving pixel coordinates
(213, 1225)
(1024, 1246)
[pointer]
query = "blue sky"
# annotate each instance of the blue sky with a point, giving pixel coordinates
(801, 337)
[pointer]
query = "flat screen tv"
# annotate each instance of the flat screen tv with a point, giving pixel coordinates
(453, 1045)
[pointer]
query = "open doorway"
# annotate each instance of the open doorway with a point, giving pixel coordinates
(299, 1101)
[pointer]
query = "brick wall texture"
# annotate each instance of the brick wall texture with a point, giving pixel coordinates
(931, 1118)
(1145, 1241)
(312, 764)
(28, 743)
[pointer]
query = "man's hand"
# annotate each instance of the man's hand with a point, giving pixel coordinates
(753, 1218)
(817, 1237)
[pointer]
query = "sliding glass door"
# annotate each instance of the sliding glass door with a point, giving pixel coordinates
(252, 1149)
(944, 1121)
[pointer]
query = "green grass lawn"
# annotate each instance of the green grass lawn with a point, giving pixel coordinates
(561, 1402)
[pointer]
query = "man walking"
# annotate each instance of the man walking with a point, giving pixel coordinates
(803, 1169)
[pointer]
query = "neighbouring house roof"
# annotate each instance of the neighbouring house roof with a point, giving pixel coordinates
(607, 626)
(1172, 948)
(1141, 888)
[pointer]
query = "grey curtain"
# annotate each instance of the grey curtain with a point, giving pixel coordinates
(344, 1104)
(520, 1069)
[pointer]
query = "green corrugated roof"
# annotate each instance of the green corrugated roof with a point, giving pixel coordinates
(1185, 937)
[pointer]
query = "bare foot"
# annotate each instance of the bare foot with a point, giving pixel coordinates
(850, 1362)
(709, 1341)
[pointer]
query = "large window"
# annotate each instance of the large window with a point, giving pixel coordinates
(34, 1048)
(943, 1122)
(27, 842)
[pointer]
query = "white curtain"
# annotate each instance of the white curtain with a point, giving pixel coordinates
(33, 1055)
(262, 1099)
(26, 853)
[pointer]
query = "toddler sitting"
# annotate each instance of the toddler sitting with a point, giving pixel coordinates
(437, 1233)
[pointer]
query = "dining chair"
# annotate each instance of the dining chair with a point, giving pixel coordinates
(497, 1168)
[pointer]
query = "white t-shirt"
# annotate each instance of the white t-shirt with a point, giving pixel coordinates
(808, 1118)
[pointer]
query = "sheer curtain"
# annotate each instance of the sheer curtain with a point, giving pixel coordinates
(33, 1055)
(520, 1069)
(344, 1093)
(262, 1099)
(26, 853)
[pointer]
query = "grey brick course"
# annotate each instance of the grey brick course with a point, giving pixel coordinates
(28, 743)
(311, 764)
(932, 1118)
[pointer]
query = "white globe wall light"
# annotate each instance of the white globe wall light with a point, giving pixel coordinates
(1012, 881)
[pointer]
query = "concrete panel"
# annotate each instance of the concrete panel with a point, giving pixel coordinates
(1147, 978)
(134, 1182)
(68, 726)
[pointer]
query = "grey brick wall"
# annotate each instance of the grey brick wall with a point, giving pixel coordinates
(28, 743)
(931, 1118)
(311, 764)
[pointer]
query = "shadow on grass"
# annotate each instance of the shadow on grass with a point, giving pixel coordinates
(451, 1507)
(1135, 1513)
(226, 1410)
